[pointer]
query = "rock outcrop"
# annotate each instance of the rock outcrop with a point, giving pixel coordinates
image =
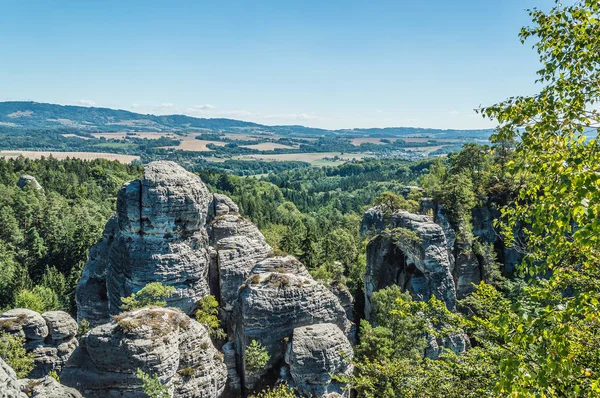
(9, 385)
(25, 180)
(278, 297)
(47, 387)
(49, 336)
(314, 354)
(160, 341)
(169, 228)
(412, 255)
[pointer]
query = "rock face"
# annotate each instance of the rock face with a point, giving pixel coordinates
(414, 258)
(169, 228)
(50, 337)
(26, 179)
(47, 387)
(314, 354)
(278, 297)
(9, 385)
(160, 341)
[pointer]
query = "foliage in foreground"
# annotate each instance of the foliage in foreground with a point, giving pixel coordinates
(12, 351)
(207, 314)
(280, 391)
(152, 385)
(152, 295)
(256, 356)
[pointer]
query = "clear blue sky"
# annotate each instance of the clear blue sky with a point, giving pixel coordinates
(331, 64)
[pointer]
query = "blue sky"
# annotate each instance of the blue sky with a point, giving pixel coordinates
(332, 64)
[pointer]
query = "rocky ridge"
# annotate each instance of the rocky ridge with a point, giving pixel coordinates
(169, 228)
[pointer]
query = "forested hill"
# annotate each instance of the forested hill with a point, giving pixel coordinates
(34, 115)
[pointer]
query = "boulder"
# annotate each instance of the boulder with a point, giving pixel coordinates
(50, 337)
(9, 385)
(60, 325)
(47, 387)
(160, 341)
(24, 323)
(315, 353)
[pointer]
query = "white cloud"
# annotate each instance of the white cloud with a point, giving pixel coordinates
(85, 102)
(453, 112)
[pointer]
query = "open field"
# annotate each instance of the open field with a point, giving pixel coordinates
(64, 155)
(242, 137)
(310, 157)
(268, 146)
(358, 141)
(75, 136)
(148, 135)
(189, 143)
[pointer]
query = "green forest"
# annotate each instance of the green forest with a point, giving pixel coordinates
(533, 331)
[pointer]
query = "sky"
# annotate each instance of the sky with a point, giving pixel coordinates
(319, 63)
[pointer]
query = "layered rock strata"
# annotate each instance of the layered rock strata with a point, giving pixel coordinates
(49, 336)
(160, 341)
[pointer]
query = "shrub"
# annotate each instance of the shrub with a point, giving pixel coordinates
(207, 314)
(39, 299)
(152, 385)
(281, 391)
(153, 294)
(256, 356)
(12, 351)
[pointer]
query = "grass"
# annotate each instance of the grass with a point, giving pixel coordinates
(73, 155)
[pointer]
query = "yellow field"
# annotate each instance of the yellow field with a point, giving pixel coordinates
(64, 155)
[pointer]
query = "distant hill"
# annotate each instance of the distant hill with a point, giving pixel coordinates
(34, 115)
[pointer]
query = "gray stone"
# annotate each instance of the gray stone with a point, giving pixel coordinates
(158, 235)
(274, 303)
(421, 267)
(9, 385)
(50, 337)
(24, 323)
(160, 341)
(25, 180)
(60, 325)
(315, 353)
(47, 387)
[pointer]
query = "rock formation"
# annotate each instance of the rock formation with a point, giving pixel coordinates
(9, 385)
(26, 179)
(416, 260)
(314, 354)
(50, 337)
(169, 228)
(47, 387)
(160, 341)
(278, 297)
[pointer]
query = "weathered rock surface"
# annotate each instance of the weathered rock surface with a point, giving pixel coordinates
(314, 354)
(169, 228)
(419, 265)
(160, 341)
(9, 385)
(278, 297)
(26, 179)
(47, 387)
(50, 337)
